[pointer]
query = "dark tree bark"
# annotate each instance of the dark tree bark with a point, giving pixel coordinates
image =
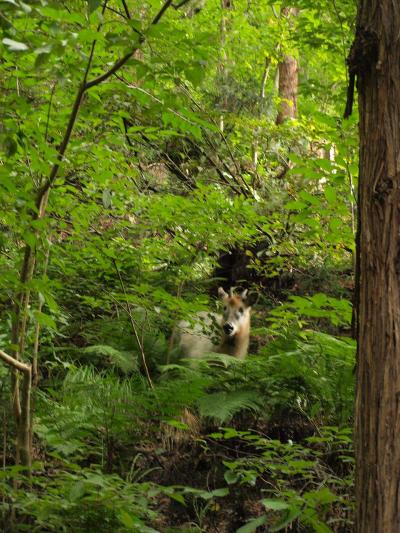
(288, 79)
(375, 60)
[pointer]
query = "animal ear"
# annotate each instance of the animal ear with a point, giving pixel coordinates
(243, 295)
(222, 293)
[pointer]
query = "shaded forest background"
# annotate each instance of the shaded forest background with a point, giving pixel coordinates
(150, 153)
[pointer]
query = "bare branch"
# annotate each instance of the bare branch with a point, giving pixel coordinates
(126, 9)
(161, 12)
(11, 361)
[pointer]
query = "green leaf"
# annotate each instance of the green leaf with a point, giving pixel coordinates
(15, 46)
(93, 5)
(195, 75)
(295, 204)
(45, 320)
(128, 520)
(275, 505)
(231, 477)
(25, 7)
(9, 145)
(309, 198)
(251, 527)
(62, 15)
(290, 516)
(217, 493)
(178, 497)
(77, 491)
(30, 239)
(107, 198)
(330, 194)
(322, 496)
(41, 60)
(177, 424)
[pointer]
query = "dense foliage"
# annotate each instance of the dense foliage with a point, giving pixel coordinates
(175, 173)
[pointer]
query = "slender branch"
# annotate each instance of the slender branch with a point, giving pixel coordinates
(121, 62)
(49, 110)
(126, 9)
(244, 191)
(117, 65)
(116, 12)
(156, 19)
(134, 328)
(267, 65)
(274, 12)
(169, 162)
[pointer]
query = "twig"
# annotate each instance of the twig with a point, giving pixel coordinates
(126, 9)
(134, 328)
(49, 110)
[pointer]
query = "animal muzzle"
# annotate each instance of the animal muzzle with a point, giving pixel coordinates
(228, 328)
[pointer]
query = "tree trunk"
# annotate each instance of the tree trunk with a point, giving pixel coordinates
(288, 82)
(288, 79)
(374, 58)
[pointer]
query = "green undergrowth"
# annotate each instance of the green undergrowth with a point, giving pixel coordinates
(106, 442)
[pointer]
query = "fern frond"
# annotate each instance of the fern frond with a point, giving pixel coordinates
(222, 406)
(124, 360)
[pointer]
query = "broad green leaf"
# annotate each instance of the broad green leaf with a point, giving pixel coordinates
(231, 477)
(295, 204)
(93, 5)
(275, 505)
(45, 320)
(330, 194)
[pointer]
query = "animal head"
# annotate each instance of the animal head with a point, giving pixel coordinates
(236, 312)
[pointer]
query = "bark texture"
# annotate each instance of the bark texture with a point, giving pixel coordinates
(288, 78)
(375, 60)
(288, 83)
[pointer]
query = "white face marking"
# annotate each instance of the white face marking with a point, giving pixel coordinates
(235, 314)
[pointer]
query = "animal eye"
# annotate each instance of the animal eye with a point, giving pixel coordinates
(241, 310)
(225, 308)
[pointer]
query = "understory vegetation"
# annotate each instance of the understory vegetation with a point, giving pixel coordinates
(142, 166)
